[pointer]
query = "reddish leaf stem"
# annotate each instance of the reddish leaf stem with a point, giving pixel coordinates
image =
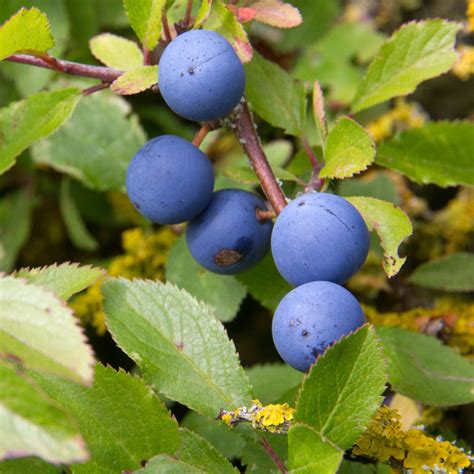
(247, 135)
(316, 182)
(166, 28)
(278, 462)
(187, 15)
(146, 56)
(201, 134)
(96, 88)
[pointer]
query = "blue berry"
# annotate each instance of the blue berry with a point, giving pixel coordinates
(319, 236)
(200, 76)
(227, 237)
(169, 180)
(312, 317)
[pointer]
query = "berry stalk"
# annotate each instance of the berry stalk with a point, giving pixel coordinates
(247, 135)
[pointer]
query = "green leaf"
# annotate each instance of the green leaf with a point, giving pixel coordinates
(120, 418)
(422, 368)
(15, 225)
(439, 153)
(223, 294)
(245, 175)
(350, 150)
(145, 19)
(28, 464)
(416, 52)
(224, 22)
(336, 402)
(377, 185)
(31, 424)
(256, 458)
(392, 225)
(116, 52)
(40, 330)
(265, 284)
(96, 145)
(203, 13)
(284, 103)
(29, 120)
(178, 343)
(351, 467)
(453, 272)
(135, 81)
(28, 31)
(271, 382)
(64, 280)
(76, 229)
(226, 441)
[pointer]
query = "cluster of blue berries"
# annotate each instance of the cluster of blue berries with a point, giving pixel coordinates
(170, 180)
(318, 241)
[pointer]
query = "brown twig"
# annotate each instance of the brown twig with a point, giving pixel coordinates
(105, 74)
(316, 182)
(166, 28)
(146, 56)
(278, 462)
(247, 135)
(201, 134)
(263, 215)
(96, 88)
(187, 15)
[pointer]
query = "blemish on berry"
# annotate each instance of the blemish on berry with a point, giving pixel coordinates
(227, 257)
(304, 333)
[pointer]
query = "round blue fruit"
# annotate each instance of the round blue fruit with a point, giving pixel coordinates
(319, 236)
(227, 237)
(312, 317)
(169, 180)
(200, 76)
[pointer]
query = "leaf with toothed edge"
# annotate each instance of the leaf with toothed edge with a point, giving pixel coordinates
(65, 279)
(135, 81)
(392, 225)
(40, 331)
(178, 344)
(116, 52)
(337, 400)
(276, 13)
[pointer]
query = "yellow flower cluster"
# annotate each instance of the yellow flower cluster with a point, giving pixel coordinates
(402, 116)
(464, 66)
(144, 257)
(385, 441)
(451, 318)
(274, 418)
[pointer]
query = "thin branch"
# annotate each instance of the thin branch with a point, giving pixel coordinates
(247, 135)
(316, 182)
(96, 88)
(146, 56)
(201, 134)
(187, 15)
(278, 462)
(105, 74)
(166, 29)
(263, 215)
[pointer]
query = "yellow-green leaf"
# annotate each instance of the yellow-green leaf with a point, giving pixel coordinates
(349, 150)
(117, 52)
(145, 19)
(28, 31)
(416, 52)
(138, 80)
(36, 117)
(391, 224)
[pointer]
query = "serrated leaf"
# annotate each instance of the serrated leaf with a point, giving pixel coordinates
(28, 464)
(271, 382)
(116, 52)
(120, 418)
(65, 279)
(453, 272)
(27, 31)
(336, 402)
(256, 458)
(284, 103)
(392, 225)
(416, 52)
(135, 81)
(277, 13)
(41, 332)
(319, 112)
(75, 226)
(422, 368)
(223, 294)
(349, 150)
(265, 284)
(224, 22)
(195, 455)
(145, 19)
(15, 225)
(31, 424)
(439, 152)
(96, 145)
(178, 343)
(31, 119)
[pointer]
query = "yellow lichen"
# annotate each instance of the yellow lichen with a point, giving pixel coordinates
(386, 441)
(464, 66)
(470, 15)
(145, 256)
(402, 116)
(227, 419)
